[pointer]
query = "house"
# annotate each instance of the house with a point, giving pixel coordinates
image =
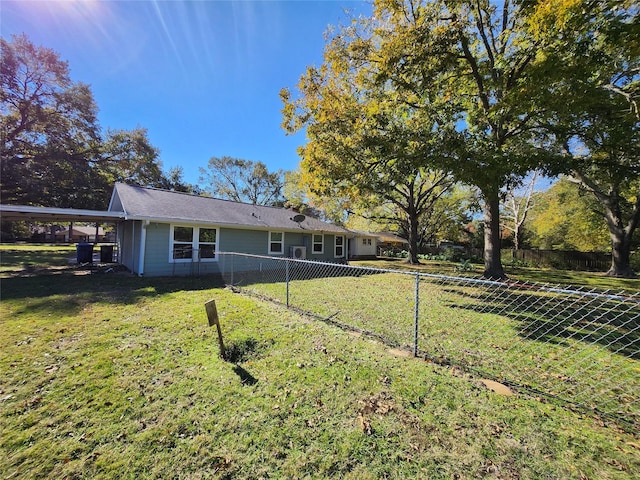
(363, 245)
(391, 241)
(79, 234)
(162, 232)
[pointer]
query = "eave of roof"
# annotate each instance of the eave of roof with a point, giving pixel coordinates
(53, 214)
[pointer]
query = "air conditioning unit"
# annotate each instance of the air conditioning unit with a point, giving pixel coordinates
(299, 253)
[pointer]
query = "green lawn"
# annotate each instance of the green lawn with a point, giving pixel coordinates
(539, 275)
(112, 376)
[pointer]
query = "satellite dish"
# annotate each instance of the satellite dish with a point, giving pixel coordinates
(299, 218)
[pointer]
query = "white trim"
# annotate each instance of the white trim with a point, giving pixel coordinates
(194, 244)
(281, 242)
(313, 244)
(215, 244)
(143, 241)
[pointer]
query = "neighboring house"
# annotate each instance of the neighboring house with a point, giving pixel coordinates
(171, 233)
(363, 245)
(79, 234)
(388, 240)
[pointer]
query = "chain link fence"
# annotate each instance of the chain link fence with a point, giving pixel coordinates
(577, 345)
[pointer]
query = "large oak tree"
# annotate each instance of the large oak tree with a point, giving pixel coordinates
(594, 70)
(52, 151)
(242, 181)
(456, 70)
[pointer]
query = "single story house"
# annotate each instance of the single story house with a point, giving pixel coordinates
(79, 234)
(162, 232)
(391, 241)
(364, 245)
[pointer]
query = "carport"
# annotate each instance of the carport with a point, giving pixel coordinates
(63, 215)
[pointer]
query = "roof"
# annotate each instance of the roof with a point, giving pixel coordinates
(77, 229)
(153, 204)
(388, 237)
(361, 233)
(384, 237)
(52, 214)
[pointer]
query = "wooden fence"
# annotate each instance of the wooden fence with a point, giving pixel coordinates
(562, 259)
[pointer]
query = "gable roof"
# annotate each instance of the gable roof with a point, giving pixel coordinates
(153, 204)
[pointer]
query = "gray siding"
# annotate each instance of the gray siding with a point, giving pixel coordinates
(254, 242)
(129, 244)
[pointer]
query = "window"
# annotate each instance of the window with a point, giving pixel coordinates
(364, 241)
(318, 243)
(192, 244)
(207, 242)
(276, 243)
(368, 241)
(182, 243)
(339, 247)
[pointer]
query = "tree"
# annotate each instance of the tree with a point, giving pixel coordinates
(596, 51)
(242, 181)
(52, 150)
(48, 127)
(451, 70)
(564, 217)
(331, 208)
(128, 156)
(366, 140)
(516, 207)
(173, 180)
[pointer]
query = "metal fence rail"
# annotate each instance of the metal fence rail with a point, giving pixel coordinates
(580, 346)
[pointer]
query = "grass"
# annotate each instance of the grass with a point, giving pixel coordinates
(112, 376)
(539, 275)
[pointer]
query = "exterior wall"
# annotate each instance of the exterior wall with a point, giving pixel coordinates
(129, 244)
(257, 243)
(357, 249)
(254, 242)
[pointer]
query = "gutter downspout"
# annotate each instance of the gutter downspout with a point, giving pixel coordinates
(143, 241)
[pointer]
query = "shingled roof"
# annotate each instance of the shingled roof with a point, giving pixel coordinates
(141, 203)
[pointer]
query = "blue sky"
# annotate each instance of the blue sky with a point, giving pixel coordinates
(202, 77)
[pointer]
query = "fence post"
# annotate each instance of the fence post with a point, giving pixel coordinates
(416, 316)
(287, 274)
(232, 262)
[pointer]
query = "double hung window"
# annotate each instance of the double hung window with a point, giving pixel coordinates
(318, 244)
(276, 243)
(192, 244)
(339, 247)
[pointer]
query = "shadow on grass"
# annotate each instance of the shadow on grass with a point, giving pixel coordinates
(67, 292)
(557, 318)
(240, 351)
(245, 377)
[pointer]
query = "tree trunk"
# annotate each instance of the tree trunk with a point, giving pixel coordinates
(413, 239)
(620, 254)
(621, 233)
(492, 261)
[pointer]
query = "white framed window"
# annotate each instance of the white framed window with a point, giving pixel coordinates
(364, 241)
(181, 248)
(339, 246)
(207, 243)
(276, 243)
(192, 244)
(318, 244)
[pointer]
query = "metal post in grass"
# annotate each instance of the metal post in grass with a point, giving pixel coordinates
(212, 315)
(287, 277)
(416, 316)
